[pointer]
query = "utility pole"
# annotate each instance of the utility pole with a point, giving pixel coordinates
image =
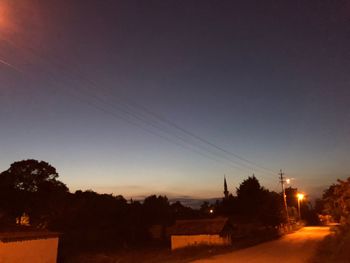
(282, 181)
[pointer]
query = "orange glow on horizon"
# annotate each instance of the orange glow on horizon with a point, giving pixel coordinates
(7, 25)
(2, 13)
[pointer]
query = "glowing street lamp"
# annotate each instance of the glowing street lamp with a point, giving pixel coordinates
(300, 197)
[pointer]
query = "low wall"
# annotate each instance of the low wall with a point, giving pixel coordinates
(181, 241)
(37, 250)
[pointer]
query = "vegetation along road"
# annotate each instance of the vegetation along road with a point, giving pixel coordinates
(296, 247)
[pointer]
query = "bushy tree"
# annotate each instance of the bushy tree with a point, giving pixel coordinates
(253, 203)
(179, 211)
(330, 202)
(291, 197)
(228, 206)
(32, 186)
(32, 176)
(337, 201)
(250, 195)
(157, 210)
(94, 220)
(271, 212)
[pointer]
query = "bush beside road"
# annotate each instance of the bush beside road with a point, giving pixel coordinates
(334, 248)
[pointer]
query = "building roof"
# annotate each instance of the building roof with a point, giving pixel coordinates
(29, 235)
(199, 226)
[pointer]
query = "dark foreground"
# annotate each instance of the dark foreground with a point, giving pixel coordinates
(297, 247)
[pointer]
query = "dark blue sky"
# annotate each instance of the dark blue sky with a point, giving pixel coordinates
(266, 80)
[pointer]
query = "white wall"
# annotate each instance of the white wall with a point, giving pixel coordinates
(195, 240)
(36, 251)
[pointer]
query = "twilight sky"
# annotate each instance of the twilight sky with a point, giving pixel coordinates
(140, 97)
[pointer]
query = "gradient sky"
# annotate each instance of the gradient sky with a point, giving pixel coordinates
(266, 80)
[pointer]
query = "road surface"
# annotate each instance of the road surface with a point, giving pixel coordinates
(296, 247)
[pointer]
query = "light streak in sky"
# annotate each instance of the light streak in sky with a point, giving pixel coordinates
(10, 66)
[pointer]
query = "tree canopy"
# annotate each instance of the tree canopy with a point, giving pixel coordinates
(250, 197)
(31, 186)
(93, 220)
(337, 201)
(32, 176)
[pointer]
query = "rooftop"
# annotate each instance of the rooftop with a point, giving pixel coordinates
(199, 226)
(26, 235)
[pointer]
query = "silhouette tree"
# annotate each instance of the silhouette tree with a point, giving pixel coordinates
(291, 196)
(228, 206)
(337, 201)
(257, 204)
(94, 220)
(330, 202)
(179, 211)
(157, 210)
(271, 210)
(31, 186)
(250, 197)
(33, 176)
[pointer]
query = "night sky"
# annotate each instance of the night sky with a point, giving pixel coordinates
(165, 97)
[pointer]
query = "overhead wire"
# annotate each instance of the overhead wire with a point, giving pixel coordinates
(130, 121)
(129, 103)
(156, 126)
(163, 119)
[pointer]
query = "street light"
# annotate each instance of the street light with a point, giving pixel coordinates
(290, 180)
(300, 198)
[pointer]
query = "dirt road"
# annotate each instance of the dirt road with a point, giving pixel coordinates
(293, 248)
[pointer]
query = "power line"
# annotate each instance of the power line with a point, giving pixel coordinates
(157, 116)
(128, 120)
(183, 130)
(161, 118)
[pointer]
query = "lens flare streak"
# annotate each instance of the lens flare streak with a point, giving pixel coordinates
(10, 66)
